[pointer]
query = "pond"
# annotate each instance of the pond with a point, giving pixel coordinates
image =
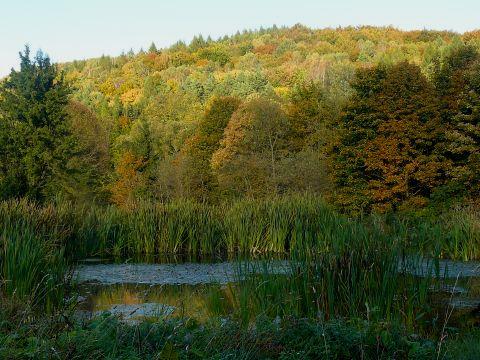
(136, 290)
(133, 291)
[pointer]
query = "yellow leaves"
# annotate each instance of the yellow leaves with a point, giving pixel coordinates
(180, 58)
(282, 91)
(162, 62)
(202, 62)
(173, 85)
(129, 69)
(73, 76)
(473, 36)
(127, 89)
(262, 40)
(324, 47)
(107, 87)
(132, 96)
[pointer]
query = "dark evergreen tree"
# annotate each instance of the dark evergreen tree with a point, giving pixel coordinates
(463, 136)
(310, 113)
(153, 48)
(457, 83)
(35, 142)
(197, 43)
(449, 80)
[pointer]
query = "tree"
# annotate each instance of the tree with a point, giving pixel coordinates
(311, 115)
(253, 144)
(153, 48)
(387, 156)
(449, 79)
(463, 135)
(456, 77)
(135, 162)
(128, 180)
(199, 149)
(35, 141)
(215, 54)
(91, 159)
(198, 42)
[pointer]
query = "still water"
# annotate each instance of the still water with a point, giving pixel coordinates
(184, 289)
(179, 287)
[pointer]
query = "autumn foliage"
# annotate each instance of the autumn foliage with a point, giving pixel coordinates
(374, 119)
(401, 143)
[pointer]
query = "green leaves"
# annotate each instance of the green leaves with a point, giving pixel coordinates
(33, 128)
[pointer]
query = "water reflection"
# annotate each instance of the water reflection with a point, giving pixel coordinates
(201, 289)
(192, 301)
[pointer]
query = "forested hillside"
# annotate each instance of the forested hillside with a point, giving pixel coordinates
(371, 118)
(285, 193)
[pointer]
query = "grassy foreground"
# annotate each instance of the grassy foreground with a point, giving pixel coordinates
(290, 338)
(342, 295)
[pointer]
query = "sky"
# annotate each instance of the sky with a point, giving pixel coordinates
(78, 29)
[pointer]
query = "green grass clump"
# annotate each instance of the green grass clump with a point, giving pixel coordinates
(290, 338)
(454, 234)
(463, 346)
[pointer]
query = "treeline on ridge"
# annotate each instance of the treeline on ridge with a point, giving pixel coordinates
(374, 119)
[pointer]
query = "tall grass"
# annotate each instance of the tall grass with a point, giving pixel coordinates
(454, 234)
(339, 267)
(280, 225)
(182, 227)
(355, 275)
(32, 262)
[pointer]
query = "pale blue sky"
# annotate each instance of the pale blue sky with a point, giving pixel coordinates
(77, 29)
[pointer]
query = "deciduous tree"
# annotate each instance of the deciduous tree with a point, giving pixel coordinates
(253, 144)
(387, 156)
(199, 177)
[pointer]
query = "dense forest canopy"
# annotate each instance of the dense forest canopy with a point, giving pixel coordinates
(376, 119)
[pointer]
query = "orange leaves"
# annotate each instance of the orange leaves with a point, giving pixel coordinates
(128, 179)
(156, 61)
(266, 49)
(199, 148)
(391, 133)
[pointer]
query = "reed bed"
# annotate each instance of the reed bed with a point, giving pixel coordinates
(454, 234)
(280, 225)
(337, 268)
(33, 267)
(355, 276)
